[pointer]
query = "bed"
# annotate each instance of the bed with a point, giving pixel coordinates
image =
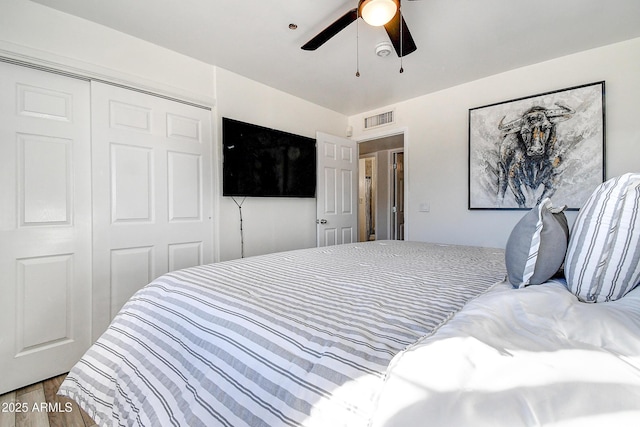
(300, 338)
(390, 334)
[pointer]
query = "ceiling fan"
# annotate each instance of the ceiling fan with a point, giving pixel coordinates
(375, 13)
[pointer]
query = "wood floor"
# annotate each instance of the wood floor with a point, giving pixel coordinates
(38, 405)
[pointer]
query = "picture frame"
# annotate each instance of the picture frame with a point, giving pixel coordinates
(546, 145)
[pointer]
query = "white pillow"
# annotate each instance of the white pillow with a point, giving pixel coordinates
(603, 257)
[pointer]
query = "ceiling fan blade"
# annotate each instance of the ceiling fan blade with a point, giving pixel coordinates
(393, 30)
(333, 29)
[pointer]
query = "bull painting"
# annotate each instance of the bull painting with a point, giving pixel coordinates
(527, 149)
(529, 154)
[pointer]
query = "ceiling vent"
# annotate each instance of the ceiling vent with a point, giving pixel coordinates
(379, 120)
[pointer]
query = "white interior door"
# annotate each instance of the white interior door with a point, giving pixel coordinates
(45, 224)
(337, 182)
(152, 196)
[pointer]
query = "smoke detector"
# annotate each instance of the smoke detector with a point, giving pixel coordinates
(383, 49)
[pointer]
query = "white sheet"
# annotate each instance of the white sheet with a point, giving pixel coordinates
(521, 357)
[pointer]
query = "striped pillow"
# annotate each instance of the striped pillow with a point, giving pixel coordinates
(537, 245)
(603, 257)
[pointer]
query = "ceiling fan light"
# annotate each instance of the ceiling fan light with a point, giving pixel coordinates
(378, 12)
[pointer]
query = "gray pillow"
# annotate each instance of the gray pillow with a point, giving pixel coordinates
(537, 245)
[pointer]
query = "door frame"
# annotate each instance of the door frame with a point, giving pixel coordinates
(362, 218)
(392, 132)
(393, 219)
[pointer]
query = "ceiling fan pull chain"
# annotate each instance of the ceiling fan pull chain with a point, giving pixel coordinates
(400, 23)
(357, 48)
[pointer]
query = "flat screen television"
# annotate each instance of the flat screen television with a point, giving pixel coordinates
(262, 162)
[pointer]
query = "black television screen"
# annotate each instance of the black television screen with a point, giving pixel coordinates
(263, 162)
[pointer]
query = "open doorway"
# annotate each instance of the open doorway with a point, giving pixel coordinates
(397, 195)
(367, 196)
(381, 188)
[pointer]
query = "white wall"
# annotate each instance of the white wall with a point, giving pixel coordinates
(437, 140)
(270, 224)
(38, 30)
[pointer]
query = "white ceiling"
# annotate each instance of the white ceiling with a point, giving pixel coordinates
(458, 40)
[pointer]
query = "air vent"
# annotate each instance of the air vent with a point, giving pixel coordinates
(379, 120)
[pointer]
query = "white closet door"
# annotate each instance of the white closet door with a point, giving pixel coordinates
(152, 196)
(45, 224)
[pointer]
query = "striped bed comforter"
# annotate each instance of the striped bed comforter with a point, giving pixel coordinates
(300, 338)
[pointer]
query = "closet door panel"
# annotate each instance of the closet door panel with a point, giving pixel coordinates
(183, 255)
(129, 268)
(43, 283)
(152, 195)
(132, 180)
(44, 180)
(185, 182)
(45, 224)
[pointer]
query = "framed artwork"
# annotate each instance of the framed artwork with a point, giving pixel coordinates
(548, 145)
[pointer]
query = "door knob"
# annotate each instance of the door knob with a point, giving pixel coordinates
(321, 221)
